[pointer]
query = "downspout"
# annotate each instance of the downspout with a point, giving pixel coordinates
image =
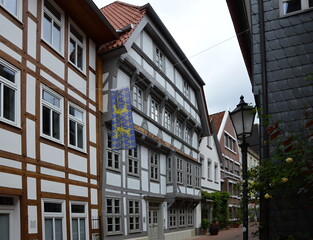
(264, 153)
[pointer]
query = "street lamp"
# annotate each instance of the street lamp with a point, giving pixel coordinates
(242, 118)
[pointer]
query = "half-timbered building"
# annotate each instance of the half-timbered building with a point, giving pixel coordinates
(49, 118)
(151, 191)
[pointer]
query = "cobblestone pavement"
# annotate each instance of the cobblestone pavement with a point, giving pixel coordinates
(231, 234)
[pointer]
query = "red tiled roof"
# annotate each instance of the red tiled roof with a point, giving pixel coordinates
(120, 15)
(217, 120)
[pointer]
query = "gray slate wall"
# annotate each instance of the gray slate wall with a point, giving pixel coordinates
(289, 59)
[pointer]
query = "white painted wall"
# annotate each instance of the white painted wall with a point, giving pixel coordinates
(11, 32)
(6, 140)
(147, 45)
(52, 63)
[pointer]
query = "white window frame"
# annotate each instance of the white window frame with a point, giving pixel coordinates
(52, 107)
(14, 216)
(80, 216)
(154, 167)
(182, 217)
(154, 110)
(114, 153)
(54, 215)
(186, 90)
(169, 170)
(159, 58)
(78, 42)
(172, 217)
(189, 173)
(133, 161)
(19, 7)
(77, 121)
(178, 128)
(180, 171)
(187, 135)
(209, 169)
(284, 3)
(138, 97)
(113, 215)
(167, 120)
(190, 216)
(229, 142)
(17, 88)
(197, 176)
(134, 214)
(56, 21)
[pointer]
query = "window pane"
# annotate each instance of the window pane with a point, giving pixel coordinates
(4, 226)
(7, 73)
(48, 229)
(293, 5)
(72, 133)
(72, 51)
(77, 34)
(52, 207)
(56, 125)
(56, 37)
(50, 98)
(82, 229)
(79, 57)
(75, 229)
(310, 3)
(58, 229)
(8, 103)
(47, 25)
(53, 10)
(77, 208)
(11, 5)
(46, 120)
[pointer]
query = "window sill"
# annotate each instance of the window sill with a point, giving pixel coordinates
(78, 149)
(50, 47)
(113, 169)
(80, 72)
(52, 139)
(133, 175)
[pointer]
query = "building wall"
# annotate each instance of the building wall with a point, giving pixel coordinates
(38, 168)
(288, 58)
(158, 83)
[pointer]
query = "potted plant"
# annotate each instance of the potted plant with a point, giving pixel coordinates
(236, 223)
(204, 226)
(214, 227)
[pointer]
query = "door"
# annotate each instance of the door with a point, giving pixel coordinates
(153, 224)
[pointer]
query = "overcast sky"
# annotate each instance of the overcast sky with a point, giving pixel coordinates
(201, 28)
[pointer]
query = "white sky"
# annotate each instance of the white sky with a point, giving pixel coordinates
(198, 26)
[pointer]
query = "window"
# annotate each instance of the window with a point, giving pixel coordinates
(113, 215)
(52, 25)
(180, 171)
(79, 221)
(173, 218)
(134, 215)
(186, 90)
(137, 97)
(189, 173)
(169, 170)
(9, 93)
(197, 176)
(188, 135)
(76, 47)
(133, 162)
(53, 223)
(215, 172)
(154, 110)
(229, 142)
(13, 6)
(51, 114)
(113, 157)
(159, 58)
(178, 130)
(289, 6)
(9, 218)
(182, 217)
(154, 166)
(189, 216)
(76, 127)
(209, 169)
(167, 120)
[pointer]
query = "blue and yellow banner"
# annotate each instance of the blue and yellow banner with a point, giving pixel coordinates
(123, 134)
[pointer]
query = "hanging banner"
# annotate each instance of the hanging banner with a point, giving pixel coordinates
(123, 134)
